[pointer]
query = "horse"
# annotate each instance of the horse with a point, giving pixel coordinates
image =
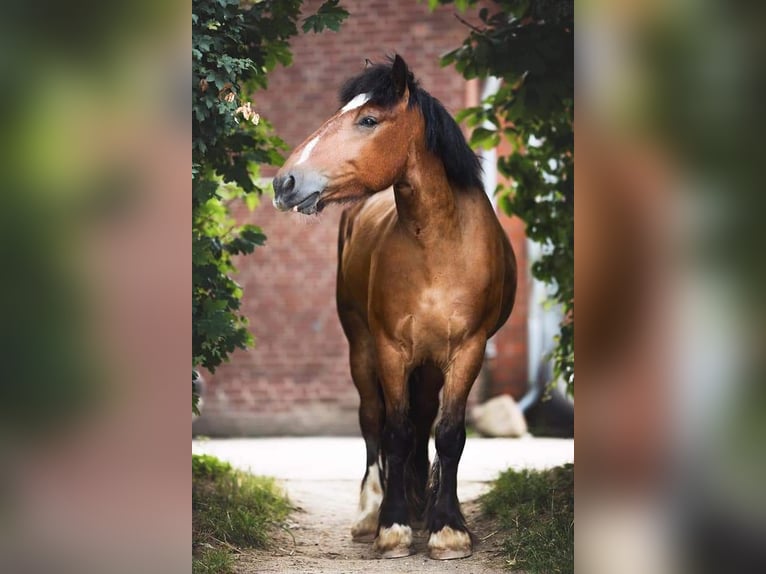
(425, 276)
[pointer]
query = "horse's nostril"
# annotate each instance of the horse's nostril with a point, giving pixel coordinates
(284, 184)
(289, 184)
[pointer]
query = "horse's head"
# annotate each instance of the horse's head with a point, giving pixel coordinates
(361, 149)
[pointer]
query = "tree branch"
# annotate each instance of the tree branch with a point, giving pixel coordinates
(471, 26)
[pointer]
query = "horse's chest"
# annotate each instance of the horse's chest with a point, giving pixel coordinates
(439, 323)
(437, 308)
(430, 322)
(427, 304)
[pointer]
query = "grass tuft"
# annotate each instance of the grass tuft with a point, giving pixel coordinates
(535, 509)
(230, 509)
(213, 561)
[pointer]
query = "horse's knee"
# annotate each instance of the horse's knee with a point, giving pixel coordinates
(398, 438)
(450, 438)
(370, 422)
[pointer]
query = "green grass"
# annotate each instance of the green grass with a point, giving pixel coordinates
(535, 510)
(213, 561)
(231, 509)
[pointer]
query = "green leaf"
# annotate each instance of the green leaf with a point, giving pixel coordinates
(330, 15)
(484, 138)
(253, 234)
(251, 200)
(476, 112)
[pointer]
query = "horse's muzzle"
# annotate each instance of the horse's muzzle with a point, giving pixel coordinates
(284, 184)
(298, 192)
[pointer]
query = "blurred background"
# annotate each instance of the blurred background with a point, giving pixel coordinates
(668, 260)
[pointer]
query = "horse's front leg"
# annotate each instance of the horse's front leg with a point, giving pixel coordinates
(394, 538)
(449, 536)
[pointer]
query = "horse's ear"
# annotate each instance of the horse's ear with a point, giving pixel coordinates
(367, 63)
(399, 74)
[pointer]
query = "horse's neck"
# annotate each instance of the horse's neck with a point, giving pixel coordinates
(425, 201)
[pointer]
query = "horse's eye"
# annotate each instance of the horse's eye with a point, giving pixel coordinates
(368, 122)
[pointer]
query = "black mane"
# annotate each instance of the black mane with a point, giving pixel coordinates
(443, 135)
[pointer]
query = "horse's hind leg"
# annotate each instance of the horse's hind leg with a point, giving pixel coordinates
(449, 536)
(425, 383)
(371, 416)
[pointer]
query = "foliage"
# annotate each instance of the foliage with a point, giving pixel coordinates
(529, 45)
(234, 46)
(329, 15)
(208, 467)
(535, 510)
(230, 507)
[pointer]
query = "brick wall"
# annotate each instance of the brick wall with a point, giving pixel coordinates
(296, 379)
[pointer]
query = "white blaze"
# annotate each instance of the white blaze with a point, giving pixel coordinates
(357, 102)
(307, 150)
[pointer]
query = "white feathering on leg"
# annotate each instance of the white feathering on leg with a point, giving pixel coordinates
(369, 505)
(394, 541)
(449, 543)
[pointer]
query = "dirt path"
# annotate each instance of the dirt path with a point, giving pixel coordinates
(321, 477)
(323, 542)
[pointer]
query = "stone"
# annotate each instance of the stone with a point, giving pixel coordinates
(499, 417)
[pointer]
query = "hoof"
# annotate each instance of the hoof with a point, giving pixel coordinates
(449, 544)
(362, 537)
(398, 552)
(437, 554)
(394, 541)
(365, 529)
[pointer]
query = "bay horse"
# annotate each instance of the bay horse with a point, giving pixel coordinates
(425, 276)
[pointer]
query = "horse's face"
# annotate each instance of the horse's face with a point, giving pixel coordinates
(360, 150)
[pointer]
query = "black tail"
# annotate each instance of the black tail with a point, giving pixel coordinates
(416, 469)
(433, 486)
